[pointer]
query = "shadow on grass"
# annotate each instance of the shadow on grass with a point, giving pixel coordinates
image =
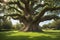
(3, 36)
(53, 33)
(28, 38)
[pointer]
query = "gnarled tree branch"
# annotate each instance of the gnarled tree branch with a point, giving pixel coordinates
(23, 1)
(15, 2)
(15, 9)
(11, 3)
(49, 17)
(39, 5)
(19, 5)
(17, 17)
(46, 8)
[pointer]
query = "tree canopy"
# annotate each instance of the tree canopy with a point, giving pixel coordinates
(30, 11)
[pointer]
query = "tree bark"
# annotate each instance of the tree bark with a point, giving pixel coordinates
(31, 27)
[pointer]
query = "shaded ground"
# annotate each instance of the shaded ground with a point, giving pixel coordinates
(15, 35)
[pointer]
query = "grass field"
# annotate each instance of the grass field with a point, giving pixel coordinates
(15, 35)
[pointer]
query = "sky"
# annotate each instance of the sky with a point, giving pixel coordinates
(1, 14)
(14, 22)
(45, 22)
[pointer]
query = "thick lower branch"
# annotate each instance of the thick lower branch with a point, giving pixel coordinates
(49, 17)
(46, 8)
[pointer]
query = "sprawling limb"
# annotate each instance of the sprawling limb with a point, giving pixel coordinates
(49, 17)
(40, 5)
(15, 9)
(14, 2)
(46, 8)
(19, 5)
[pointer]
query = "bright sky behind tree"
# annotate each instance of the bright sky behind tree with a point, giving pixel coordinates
(14, 22)
(46, 22)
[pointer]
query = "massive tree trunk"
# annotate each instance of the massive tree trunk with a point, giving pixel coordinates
(33, 27)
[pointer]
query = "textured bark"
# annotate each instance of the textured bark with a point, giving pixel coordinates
(31, 27)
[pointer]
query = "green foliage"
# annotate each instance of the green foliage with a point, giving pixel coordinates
(45, 26)
(5, 24)
(54, 25)
(17, 26)
(1, 24)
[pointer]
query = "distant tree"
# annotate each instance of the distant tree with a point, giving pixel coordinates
(7, 24)
(45, 26)
(55, 24)
(1, 24)
(19, 25)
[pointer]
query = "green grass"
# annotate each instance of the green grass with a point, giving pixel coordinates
(15, 35)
